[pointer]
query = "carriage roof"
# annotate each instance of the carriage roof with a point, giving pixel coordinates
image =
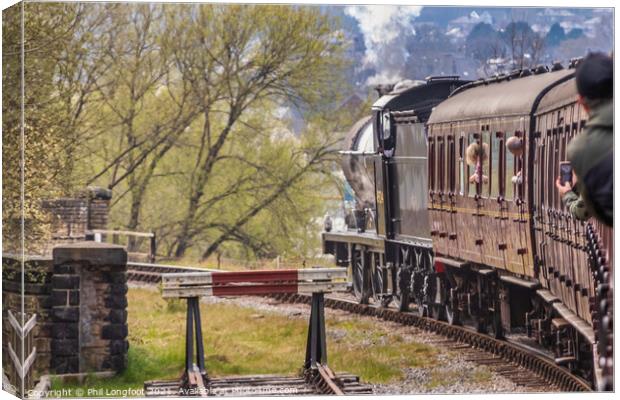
(496, 97)
(420, 97)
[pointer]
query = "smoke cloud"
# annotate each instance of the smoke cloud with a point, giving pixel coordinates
(385, 29)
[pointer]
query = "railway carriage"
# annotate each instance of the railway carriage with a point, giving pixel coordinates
(485, 241)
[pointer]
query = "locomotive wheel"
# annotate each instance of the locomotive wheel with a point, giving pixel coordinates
(386, 301)
(418, 297)
(438, 312)
(453, 316)
(402, 301)
(359, 285)
(423, 308)
(401, 292)
(377, 289)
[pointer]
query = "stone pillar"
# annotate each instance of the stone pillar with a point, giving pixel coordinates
(89, 308)
(98, 207)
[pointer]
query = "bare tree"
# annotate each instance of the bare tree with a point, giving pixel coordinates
(525, 45)
(274, 53)
(147, 105)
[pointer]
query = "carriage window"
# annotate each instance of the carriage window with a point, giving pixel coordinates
(485, 182)
(520, 187)
(471, 157)
(497, 146)
(557, 202)
(442, 164)
(510, 171)
(452, 165)
(541, 184)
(501, 176)
(462, 165)
(431, 163)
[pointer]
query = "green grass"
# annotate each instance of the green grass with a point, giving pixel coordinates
(244, 341)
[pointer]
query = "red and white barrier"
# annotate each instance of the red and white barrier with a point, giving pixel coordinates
(248, 283)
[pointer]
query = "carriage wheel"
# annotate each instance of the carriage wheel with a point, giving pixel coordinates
(496, 325)
(436, 310)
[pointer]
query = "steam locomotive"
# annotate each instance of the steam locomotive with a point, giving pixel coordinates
(484, 241)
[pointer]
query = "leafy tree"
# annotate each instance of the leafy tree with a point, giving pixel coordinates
(37, 159)
(178, 114)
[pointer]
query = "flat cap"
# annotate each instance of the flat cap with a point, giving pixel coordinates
(595, 76)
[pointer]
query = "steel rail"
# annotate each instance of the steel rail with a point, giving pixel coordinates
(510, 352)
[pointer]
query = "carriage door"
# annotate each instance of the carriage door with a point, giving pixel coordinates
(433, 196)
(498, 193)
(473, 205)
(540, 185)
(451, 197)
(487, 206)
(521, 199)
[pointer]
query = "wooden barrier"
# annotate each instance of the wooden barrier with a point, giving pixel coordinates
(192, 285)
(250, 283)
(98, 235)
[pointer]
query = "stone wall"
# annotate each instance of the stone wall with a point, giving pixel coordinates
(69, 218)
(72, 217)
(89, 291)
(80, 298)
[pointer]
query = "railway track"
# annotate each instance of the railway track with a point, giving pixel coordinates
(323, 381)
(520, 364)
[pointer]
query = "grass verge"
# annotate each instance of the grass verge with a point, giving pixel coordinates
(244, 341)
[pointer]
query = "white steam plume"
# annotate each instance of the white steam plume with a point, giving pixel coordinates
(385, 29)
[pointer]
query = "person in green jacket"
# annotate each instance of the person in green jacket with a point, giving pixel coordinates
(591, 152)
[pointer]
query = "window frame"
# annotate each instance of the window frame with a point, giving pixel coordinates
(441, 176)
(500, 183)
(452, 164)
(431, 162)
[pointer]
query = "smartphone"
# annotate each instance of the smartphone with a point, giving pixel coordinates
(566, 173)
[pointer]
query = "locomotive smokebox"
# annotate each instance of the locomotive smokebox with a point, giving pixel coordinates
(356, 163)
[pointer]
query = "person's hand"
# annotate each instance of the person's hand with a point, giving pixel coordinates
(562, 189)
